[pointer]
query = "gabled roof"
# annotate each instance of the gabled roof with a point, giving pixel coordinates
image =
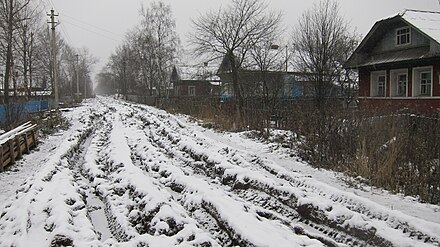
(425, 22)
(194, 72)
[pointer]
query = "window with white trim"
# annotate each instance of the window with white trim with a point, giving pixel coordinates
(425, 83)
(378, 84)
(403, 36)
(381, 86)
(399, 83)
(192, 90)
(422, 82)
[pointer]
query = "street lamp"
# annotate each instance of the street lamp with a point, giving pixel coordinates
(276, 47)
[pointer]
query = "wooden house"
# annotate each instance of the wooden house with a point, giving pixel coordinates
(192, 84)
(398, 63)
(289, 85)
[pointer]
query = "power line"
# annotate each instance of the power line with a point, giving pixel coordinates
(91, 31)
(66, 34)
(91, 25)
(64, 31)
(64, 15)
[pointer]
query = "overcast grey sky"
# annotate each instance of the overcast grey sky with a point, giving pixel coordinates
(100, 25)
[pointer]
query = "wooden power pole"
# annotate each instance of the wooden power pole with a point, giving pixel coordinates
(77, 79)
(54, 57)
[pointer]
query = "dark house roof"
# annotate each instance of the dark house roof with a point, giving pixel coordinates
(427, 23)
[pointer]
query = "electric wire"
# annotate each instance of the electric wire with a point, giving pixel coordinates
(91, 31)
(91, 25)
(62, 19)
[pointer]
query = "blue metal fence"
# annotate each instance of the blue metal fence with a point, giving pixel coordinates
(26, 108)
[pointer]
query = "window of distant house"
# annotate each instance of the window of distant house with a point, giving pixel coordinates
(378, 84)
(401, 84)
(425, 83)
(191, 90)
(422, 81)
(381, 86)
(403, 36)
(177, 90)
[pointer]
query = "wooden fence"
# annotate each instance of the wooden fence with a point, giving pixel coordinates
(14, 143)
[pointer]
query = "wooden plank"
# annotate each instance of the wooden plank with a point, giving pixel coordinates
(6, 136)
(19, 141)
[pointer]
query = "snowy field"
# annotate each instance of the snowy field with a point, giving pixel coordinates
(131, 175)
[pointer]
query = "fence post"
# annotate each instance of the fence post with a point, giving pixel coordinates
(11, 151)
(34, 141)
(26, 143)
(17, 142)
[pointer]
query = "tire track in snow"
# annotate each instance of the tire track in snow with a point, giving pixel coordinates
(168, 149)
(200, 193)
(43, 215)
(150, 215)
(351, 205)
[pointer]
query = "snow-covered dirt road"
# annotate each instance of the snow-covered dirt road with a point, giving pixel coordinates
(130, 175)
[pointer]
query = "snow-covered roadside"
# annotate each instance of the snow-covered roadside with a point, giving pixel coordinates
(325, 184)
(48, 207)
(25, 168)
(278, 155)
(127, 175)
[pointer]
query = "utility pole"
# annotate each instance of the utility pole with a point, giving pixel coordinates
(85, 88)
(54, 57)
(286, 58)
(77, 78)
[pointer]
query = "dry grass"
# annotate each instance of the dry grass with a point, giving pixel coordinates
(397, 152)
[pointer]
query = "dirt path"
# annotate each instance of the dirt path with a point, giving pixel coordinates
(132, 175)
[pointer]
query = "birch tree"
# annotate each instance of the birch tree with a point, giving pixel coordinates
(158, 32)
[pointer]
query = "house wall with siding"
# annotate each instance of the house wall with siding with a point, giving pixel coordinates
(202, 88)
(428, 102)
(388, 42)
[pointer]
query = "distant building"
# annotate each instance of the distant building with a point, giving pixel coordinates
(194, 82)
(282, 84)
(399, 62)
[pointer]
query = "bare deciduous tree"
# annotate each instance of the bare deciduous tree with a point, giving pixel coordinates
(322, 41)
(265, 57)
(232, 32)
(10, 14)
(159, 33)
(144, 62)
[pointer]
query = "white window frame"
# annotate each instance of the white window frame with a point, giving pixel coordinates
(402, 94)
(430, 83)
(394, 82)
(399, 36)
(191, 90)
(383, 86)
(417, 79)
(374, 83)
